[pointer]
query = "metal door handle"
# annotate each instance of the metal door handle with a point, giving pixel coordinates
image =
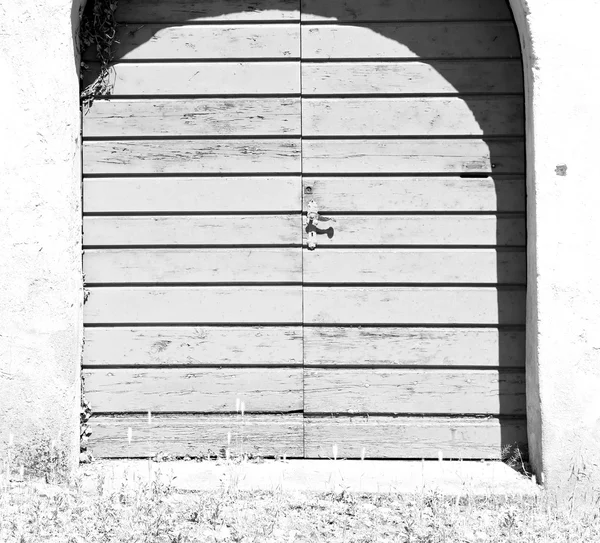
(316, 224)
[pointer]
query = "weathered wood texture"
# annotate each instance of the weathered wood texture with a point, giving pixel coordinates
(193, 230)
(186, 345)
(406, 437)
(389, 346)
(198, 42)
(411, 40)
(414, 266)
(193, 265)
(197, 436)
(414, 305)
(192, 156)
(405, 10)
(194, 305)
(194, 117)
(357, 230)
(394, 194)
(192, 194)
(394, 77)
(198, 78)
(182, 11)
(187, 390)
(429, 391)
(405, 156)
(426, 116)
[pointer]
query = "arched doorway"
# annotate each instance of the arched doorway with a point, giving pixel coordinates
(402, 334)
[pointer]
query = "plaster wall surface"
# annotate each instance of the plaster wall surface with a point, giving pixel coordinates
(40, 226)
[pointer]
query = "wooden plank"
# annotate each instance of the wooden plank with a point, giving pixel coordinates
(412, 156)
(196, 436)
(194, 117)
(191, 194)
(414, 391)
(413, 266)
(393, 194)
(414, 305)
(186, 345)
(194, 305)
(468, 116)
(160, 41)
(404, 10)
(411, 40)
(188, 390)
(198, 78)
(182, 11)
(193, 265)
(193, 230)
(192, 156)
(407, 437)
(413, 347)
(357, 230)
(393, 77)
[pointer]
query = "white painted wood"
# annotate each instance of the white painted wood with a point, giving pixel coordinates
(192, 156)
(189, 390)
(197, 345)
(393, 194)
(414, 305)
(414, 266)
(435, 77)
(194, 305)
(194, 117)
(198, 78)
(411, 40)
(357, 230)
(192, 265)
(413, 156)
(192, 194)
(390, 346)
(193, 230)
(452, 116)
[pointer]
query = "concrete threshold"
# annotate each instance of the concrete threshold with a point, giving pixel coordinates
(366, 476)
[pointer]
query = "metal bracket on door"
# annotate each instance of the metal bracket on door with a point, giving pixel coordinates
(316, 224)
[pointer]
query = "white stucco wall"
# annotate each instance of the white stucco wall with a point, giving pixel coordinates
(40, 227)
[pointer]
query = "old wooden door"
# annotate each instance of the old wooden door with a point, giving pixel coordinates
(401, 334)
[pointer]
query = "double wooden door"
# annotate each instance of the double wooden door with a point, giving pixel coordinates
(317, 211)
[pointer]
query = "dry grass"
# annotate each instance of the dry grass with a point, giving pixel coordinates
(154, 513)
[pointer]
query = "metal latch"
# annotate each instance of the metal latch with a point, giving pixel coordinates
(316, 224)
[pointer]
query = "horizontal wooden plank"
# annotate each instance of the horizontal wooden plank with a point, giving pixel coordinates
(414, 305)
(192, 230)
(435, 77)
(357, 230)
(192, 265)
(196, 436)
(404, 10)
(181, 11)
(411, 40)
(413, 266)
(193, 117)
(467, 116)
(191, 194)
(194, 305)
(390, 346)
(162, 41)
(405, 437)
(185, 345)
(188, 390)
(192, 156)
(198, 78)
(412, 156)
(393, 194)
(429, 391)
